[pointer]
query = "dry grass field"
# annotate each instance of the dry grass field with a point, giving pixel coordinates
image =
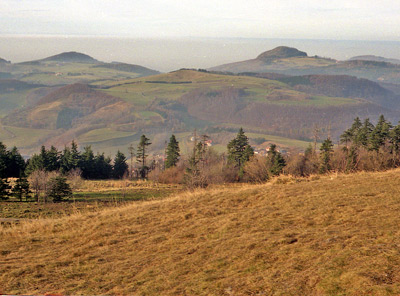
(331, 235)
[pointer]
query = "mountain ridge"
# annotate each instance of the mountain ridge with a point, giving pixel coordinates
(281, 52)
(375, 58)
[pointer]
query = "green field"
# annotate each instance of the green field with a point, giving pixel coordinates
(99, 135)
(172, 86)
(22, 137)
(53, 73)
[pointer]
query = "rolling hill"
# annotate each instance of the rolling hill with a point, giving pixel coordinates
(71, 67)
(109, 105)
(3, 61)
(70, 57)
(109, 115)
(331, 235)
(298, 63)
(281, 60)
(375, 58)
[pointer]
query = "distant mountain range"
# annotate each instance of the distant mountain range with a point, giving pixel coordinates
(290, 61)
(71, 67)
(281, 96)
(375, 59)
(3, 61)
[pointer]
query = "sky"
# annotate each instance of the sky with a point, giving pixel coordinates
(308, 19)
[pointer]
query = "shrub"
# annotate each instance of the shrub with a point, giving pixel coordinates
(58, 189)
(172, 175)
(256, 170)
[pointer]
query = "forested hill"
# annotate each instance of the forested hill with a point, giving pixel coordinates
(291, 61)
(109, 115)
(70, 57)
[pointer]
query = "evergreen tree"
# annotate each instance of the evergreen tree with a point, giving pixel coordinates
(394, 137)
(70, 158)
(87, 163)
(120, 166)
(380, 134)
(193, 177)
(275, 160)
(4, 189)
(21, 188)
(58, 189)
(3, 160)
(172, 153)
(346, 138)
(52, 159)
(326, 151)
(15, 165)
(102, 166)
(239, 150)
(37, 161)
(364, 135)
(141, 155)
(354, 131)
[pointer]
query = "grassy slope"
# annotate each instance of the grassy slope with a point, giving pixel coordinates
(337, 235)
(68, 73)
(21, 137)
(141, 91)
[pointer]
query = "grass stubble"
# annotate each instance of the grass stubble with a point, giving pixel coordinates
(331, 235)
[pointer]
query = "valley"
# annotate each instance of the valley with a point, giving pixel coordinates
(109, 105)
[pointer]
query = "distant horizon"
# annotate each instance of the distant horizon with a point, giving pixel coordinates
(310, 19)
(168, 54)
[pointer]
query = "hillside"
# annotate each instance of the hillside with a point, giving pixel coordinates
(128, 68)
(375, 58)
(70, 57)
(281, 52)
(3, 61)
(290, 61)
(344, 86)
(109, 115)
(71, 67)
(334, 235)
(281, 59)
(68, 107)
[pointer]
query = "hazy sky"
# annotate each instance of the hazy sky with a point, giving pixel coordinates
(314, 19)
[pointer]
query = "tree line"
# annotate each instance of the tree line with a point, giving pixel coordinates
(363, 146)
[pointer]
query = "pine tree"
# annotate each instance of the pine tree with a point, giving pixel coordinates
(102, 167)
(52, 159)
(326, 151)
(141, 155)
(87, 163)
(275, 160)
(364, 135)
(59, 189)
(3, 160)
(193, 177)
(17, 163)
(395, 138)
(239, 150)
(70, 158)
(380, 134)
(172, 153)
(4, 189)
(131, 154)
(21, 188)
(120, 166)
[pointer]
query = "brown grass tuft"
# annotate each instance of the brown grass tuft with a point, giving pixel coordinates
(332, 235)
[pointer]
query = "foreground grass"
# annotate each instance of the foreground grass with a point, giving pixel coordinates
(337, 235)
